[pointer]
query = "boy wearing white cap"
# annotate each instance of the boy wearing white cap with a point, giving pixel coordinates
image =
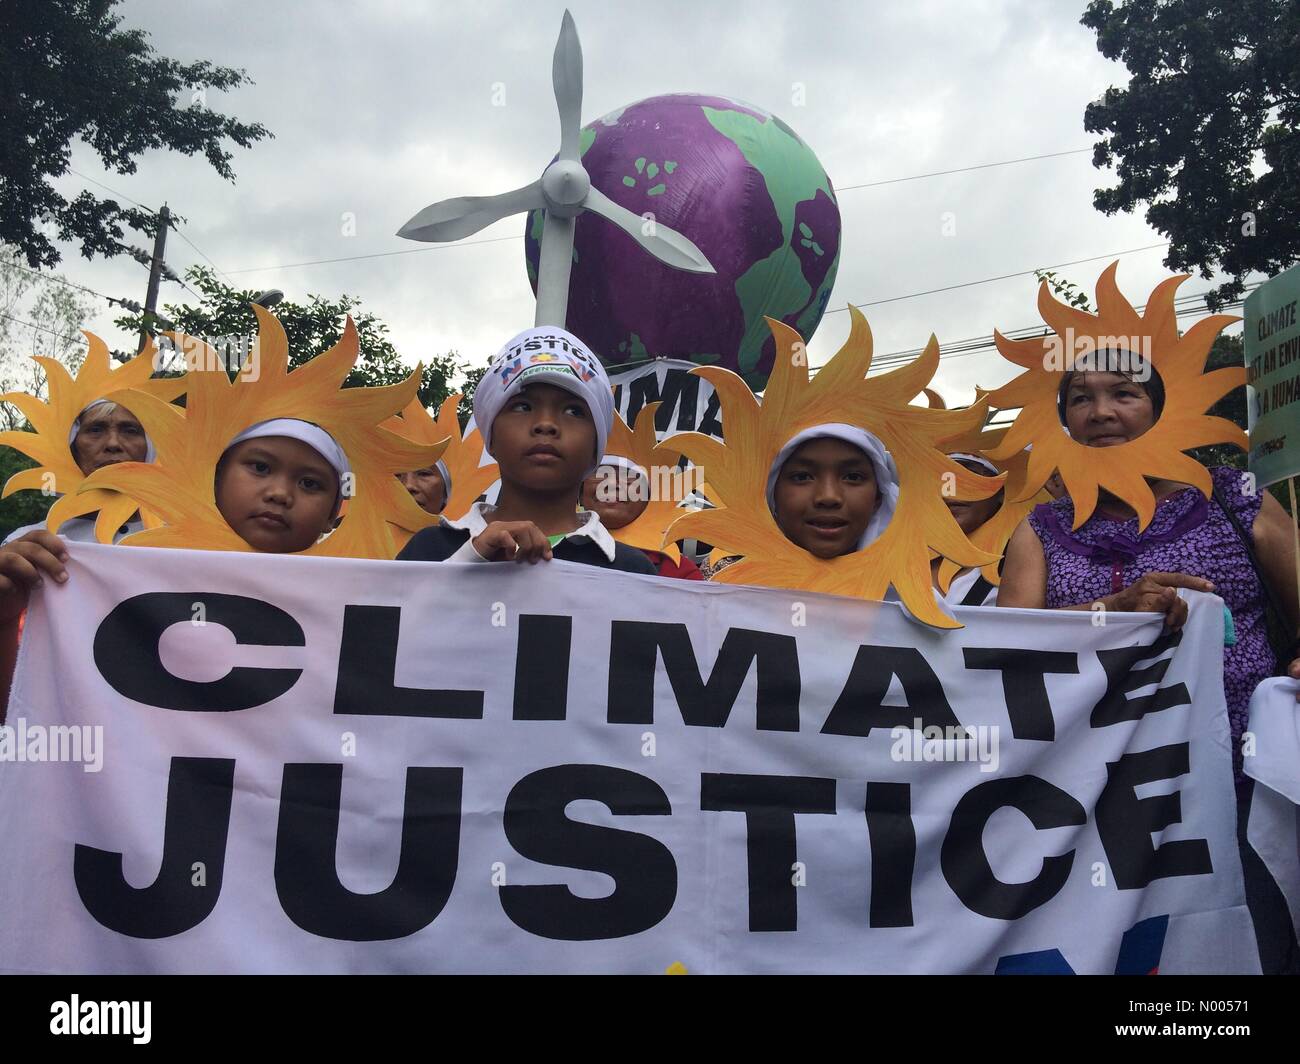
(545, 409)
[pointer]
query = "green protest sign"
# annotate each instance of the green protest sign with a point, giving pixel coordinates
(1272, 347)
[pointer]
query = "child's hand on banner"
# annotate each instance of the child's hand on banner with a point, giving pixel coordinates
(520, 541)
(24, 564)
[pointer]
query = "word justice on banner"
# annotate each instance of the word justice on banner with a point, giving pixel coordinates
(325, 765)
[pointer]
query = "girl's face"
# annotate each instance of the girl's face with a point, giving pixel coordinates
(106, 438)
(1107, 409)
(544, 440)
(277, 493)
(825, 495)
(426, 488)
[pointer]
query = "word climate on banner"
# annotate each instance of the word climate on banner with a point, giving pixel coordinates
(326, 765)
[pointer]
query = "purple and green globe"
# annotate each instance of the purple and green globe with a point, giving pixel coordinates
(750, 194)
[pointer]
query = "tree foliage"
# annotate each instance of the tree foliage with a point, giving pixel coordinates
(225, 318)
(1207, 131)
(68, 71)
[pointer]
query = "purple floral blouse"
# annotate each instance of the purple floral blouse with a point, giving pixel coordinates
(1189, 534)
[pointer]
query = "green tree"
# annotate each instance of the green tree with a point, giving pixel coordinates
(67, 70)
(225, 318)
(1205, 132)
(39, 315)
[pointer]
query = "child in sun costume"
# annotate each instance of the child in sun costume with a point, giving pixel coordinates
(988, 523)
(739, 473)
(463, 478)
(181, 488)
(74, 402)
(636, 510)
(1132, 531)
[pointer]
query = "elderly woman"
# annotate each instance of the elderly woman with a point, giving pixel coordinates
(104, 433)
(1236, 545)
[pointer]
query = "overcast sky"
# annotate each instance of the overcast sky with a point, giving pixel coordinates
(383, 107)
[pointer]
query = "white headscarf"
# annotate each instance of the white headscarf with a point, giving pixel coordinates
(445, 473)
(150, 453)
(979, 460)
(882, 462)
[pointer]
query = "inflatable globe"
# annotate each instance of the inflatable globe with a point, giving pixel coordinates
(752, 196)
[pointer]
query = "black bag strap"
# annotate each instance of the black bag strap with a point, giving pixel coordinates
(977, 592)
(1272, 603)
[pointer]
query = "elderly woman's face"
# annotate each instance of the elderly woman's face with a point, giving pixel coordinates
(106, 438)
(1107, 409)
(426, 488)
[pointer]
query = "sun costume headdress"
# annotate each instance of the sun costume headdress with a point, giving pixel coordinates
(1122, 470)
(179, 488)
(469, 480)
(994, 534)
(54, 421)
(640, 446)
(840, 393)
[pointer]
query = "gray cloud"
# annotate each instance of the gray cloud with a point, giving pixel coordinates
(381, 108)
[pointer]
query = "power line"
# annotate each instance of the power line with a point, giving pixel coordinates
(195, 246)
(114, 191)
(498, 239)
(978, 344)
(377, 254)
(42, 328)
(126, 303)
(962, 169)
(1000, 277)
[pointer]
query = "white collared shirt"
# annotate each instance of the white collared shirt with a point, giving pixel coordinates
(480, 514)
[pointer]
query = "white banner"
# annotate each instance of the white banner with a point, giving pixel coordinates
(317, 765)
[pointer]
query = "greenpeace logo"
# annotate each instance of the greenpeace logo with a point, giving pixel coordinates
(102, 1017)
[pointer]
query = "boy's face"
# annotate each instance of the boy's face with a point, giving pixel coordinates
(825, 496)
(544, 439)
(426, 488)
(619, 499)
(104, 439)
(277, 493)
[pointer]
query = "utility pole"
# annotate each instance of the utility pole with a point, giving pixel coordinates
(155, 275)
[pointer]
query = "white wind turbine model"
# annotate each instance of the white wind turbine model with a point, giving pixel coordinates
(563, 191)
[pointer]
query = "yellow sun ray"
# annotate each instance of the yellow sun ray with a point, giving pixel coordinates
(179, 487)
(57, 471)
(994, 534)
(462, 455)
(736, 472)
(1121, 470)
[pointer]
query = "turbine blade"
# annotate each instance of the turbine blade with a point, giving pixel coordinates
(667, 245)
(566, 77)
(452, 219)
